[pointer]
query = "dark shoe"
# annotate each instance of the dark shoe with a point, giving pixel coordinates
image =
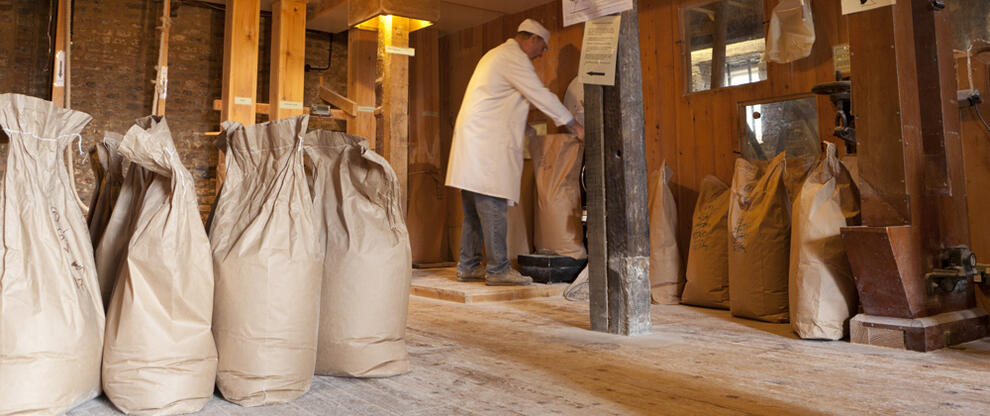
(476, 275)
(510, 278)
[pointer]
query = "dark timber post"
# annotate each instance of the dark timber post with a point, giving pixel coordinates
(618, 227)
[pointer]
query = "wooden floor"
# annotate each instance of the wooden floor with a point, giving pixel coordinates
(537, 357)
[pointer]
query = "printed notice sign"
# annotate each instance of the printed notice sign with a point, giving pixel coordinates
(599, 50)
(291, 105)
(856, 6)
(577, 11)
(242, 100)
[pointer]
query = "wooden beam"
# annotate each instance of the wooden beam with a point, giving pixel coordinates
(161, 81)
(594, 163)
(720, 40)
(60, 73)
(240, 61)
(361, 63)
(322, 7)
(393, 32)
(262, 108)
(288, 59)
(240, 66)
(619, 266)
(345, 104)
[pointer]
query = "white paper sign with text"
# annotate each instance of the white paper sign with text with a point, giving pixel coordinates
(577, 11)
(599, 50)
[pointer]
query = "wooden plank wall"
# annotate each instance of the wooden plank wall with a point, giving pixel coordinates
(695, 134)
(976, 156)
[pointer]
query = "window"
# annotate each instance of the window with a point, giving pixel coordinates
(724, 41)
(790, 125)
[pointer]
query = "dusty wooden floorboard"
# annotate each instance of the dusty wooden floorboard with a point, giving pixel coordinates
(538, 357)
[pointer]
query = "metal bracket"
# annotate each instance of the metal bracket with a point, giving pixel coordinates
(938, 5)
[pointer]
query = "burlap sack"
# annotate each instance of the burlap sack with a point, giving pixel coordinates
(707, 274)
(159, 357)
(666, 280)
(267, 265)
(759, 241)
(367, 273)
(51, 317)
(519, 218)
(105, 162)
(557, 168)
(821, 288)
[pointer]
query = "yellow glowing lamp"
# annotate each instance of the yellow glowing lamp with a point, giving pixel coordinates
(363, 14)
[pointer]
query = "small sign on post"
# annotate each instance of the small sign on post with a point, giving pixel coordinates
(577, 11)
(599, 50)
(856, 6)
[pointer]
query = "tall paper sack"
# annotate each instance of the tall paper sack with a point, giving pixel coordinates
(822, 292)
(267, 265)
(666, 280)
(707, 274)
(557, 168)
(759, 241)
(51, 315)
(366, 272)
(159, 357)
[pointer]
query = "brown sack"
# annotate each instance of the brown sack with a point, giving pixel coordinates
(759, 241)
(822, 292)
(159, 356)
(666, 280)
(367, 268)
(707, 274)
(112, 245)
(51, 316)
(796, 169)
(267, 265)
(557, 168)
(519, 218)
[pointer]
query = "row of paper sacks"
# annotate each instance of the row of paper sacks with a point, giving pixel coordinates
(297, 275)
(768, 248)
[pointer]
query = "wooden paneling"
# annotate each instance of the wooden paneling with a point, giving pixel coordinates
(695, 133)
(976, 157)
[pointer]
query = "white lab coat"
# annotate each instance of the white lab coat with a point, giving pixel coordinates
(486, 155)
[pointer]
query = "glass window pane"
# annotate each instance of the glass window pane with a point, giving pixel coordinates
(773, 127)
(743, 42)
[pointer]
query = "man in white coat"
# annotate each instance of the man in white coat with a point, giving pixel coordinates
(486, 156)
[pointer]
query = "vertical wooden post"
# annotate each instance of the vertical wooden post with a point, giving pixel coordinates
(161, 82)
(288, 60)
(594, 163)
(616, 170)
(240, 66)
(60, 72)
(361, 62)
(393, 31)
(719, 44)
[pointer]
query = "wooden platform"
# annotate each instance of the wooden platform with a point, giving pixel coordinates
(442, 284)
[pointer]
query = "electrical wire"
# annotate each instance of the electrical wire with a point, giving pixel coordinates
(976, 109)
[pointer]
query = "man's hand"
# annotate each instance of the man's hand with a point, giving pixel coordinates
(577, 129)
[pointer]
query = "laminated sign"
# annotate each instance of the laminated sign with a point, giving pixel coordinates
(51, 316)
(366, 273)
(267, 265)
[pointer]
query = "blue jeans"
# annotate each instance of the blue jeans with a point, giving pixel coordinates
(484, 220)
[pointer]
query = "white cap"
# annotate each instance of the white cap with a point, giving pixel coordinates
(534, 27)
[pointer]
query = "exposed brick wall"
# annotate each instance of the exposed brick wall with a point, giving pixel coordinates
(25, 66)
(115, 50)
